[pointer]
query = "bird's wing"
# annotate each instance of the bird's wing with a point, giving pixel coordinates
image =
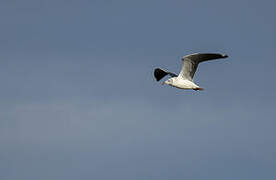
(190, 63)
(160, 73)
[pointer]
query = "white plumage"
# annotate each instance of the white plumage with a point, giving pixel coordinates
(189, 65)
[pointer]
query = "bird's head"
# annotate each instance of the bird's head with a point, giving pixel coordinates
(169, 81)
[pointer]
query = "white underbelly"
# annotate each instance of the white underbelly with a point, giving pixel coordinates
(185, 84)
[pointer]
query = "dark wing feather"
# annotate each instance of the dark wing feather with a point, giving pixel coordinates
(200, 57)
(160, 73)
(190, 63)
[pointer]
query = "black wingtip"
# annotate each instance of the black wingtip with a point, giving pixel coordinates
(160, 73)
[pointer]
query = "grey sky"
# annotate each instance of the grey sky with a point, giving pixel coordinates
(78, 99)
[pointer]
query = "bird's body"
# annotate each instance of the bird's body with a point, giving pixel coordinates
(189, 65)
(181, 83)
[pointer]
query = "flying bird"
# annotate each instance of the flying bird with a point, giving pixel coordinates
(189, 65)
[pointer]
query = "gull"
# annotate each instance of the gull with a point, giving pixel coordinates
(189, 65)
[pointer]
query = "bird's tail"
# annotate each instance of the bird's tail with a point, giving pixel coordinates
(198, 89)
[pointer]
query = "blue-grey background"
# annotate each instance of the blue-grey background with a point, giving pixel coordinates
(78, 99)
